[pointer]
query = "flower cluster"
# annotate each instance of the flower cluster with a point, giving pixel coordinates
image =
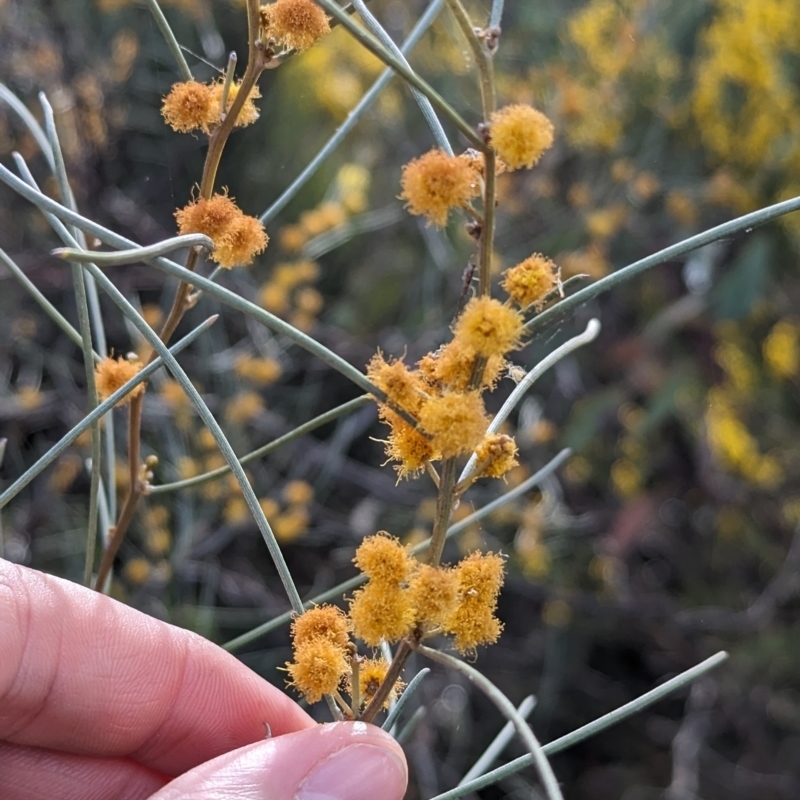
(192, 106)
(444, 393)
(237, 237)
(401, 596)
(321, 642)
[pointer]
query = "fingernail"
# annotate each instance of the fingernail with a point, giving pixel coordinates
(357, 772)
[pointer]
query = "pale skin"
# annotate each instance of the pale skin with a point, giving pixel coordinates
(101, 702)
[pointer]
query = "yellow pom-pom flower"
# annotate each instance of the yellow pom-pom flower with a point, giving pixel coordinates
(112, 373)
(371, 674)
(489, 327)
(383, 559)
(451, 367)
(433, 592)
(248, 113)
(456, 422)
(406, 445)
(294, 23)
(318, 668)
(473, 623)
(530, 281)
(380, 611)
(520, 135)
(190, 106)
(322, 622)
(403, 388)
(435, 183)
(497, 454)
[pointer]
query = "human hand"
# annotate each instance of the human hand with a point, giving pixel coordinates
(100, 701)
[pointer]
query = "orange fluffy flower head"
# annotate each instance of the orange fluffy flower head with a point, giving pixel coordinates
(112, 373)
(190, 106)
(473, 623)
(383, 559)
(497, 454)
(434, 592)
(530, 281)
(436, 182)
(456, 422)
(520, 135)
(248, 113)
(318, 668)
(237, 237)
(403, 387)
(380, 611)
(406, 445)
(294, 23)
(371, 673)
(322, 622)
(489, 327)
(451, 367)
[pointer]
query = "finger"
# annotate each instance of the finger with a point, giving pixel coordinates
(82, 673)
(30, 773)
(340, 761)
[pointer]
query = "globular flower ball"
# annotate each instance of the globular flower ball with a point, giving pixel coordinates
(520, 134)
(248, 113)
(112, 373)
(406, 445)
(456, 422)
(294, 23)
(489, 327)
(318, 668)
(497, 454)
(403, 388)
(480, 577)
(190, 106)
(322, 622)
(434, 592)
(436, 182)
(381, 611)
(531, 281)
(371, 674)
(383, 559)
(237, 237)
(452, 367)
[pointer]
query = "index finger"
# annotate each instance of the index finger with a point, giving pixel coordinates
(82, 673)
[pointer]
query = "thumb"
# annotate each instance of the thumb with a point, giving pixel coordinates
(338, 761)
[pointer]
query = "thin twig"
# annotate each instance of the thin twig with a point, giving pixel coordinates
(411, 77)
(508, 710)
(172, 42)
(587, 731)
